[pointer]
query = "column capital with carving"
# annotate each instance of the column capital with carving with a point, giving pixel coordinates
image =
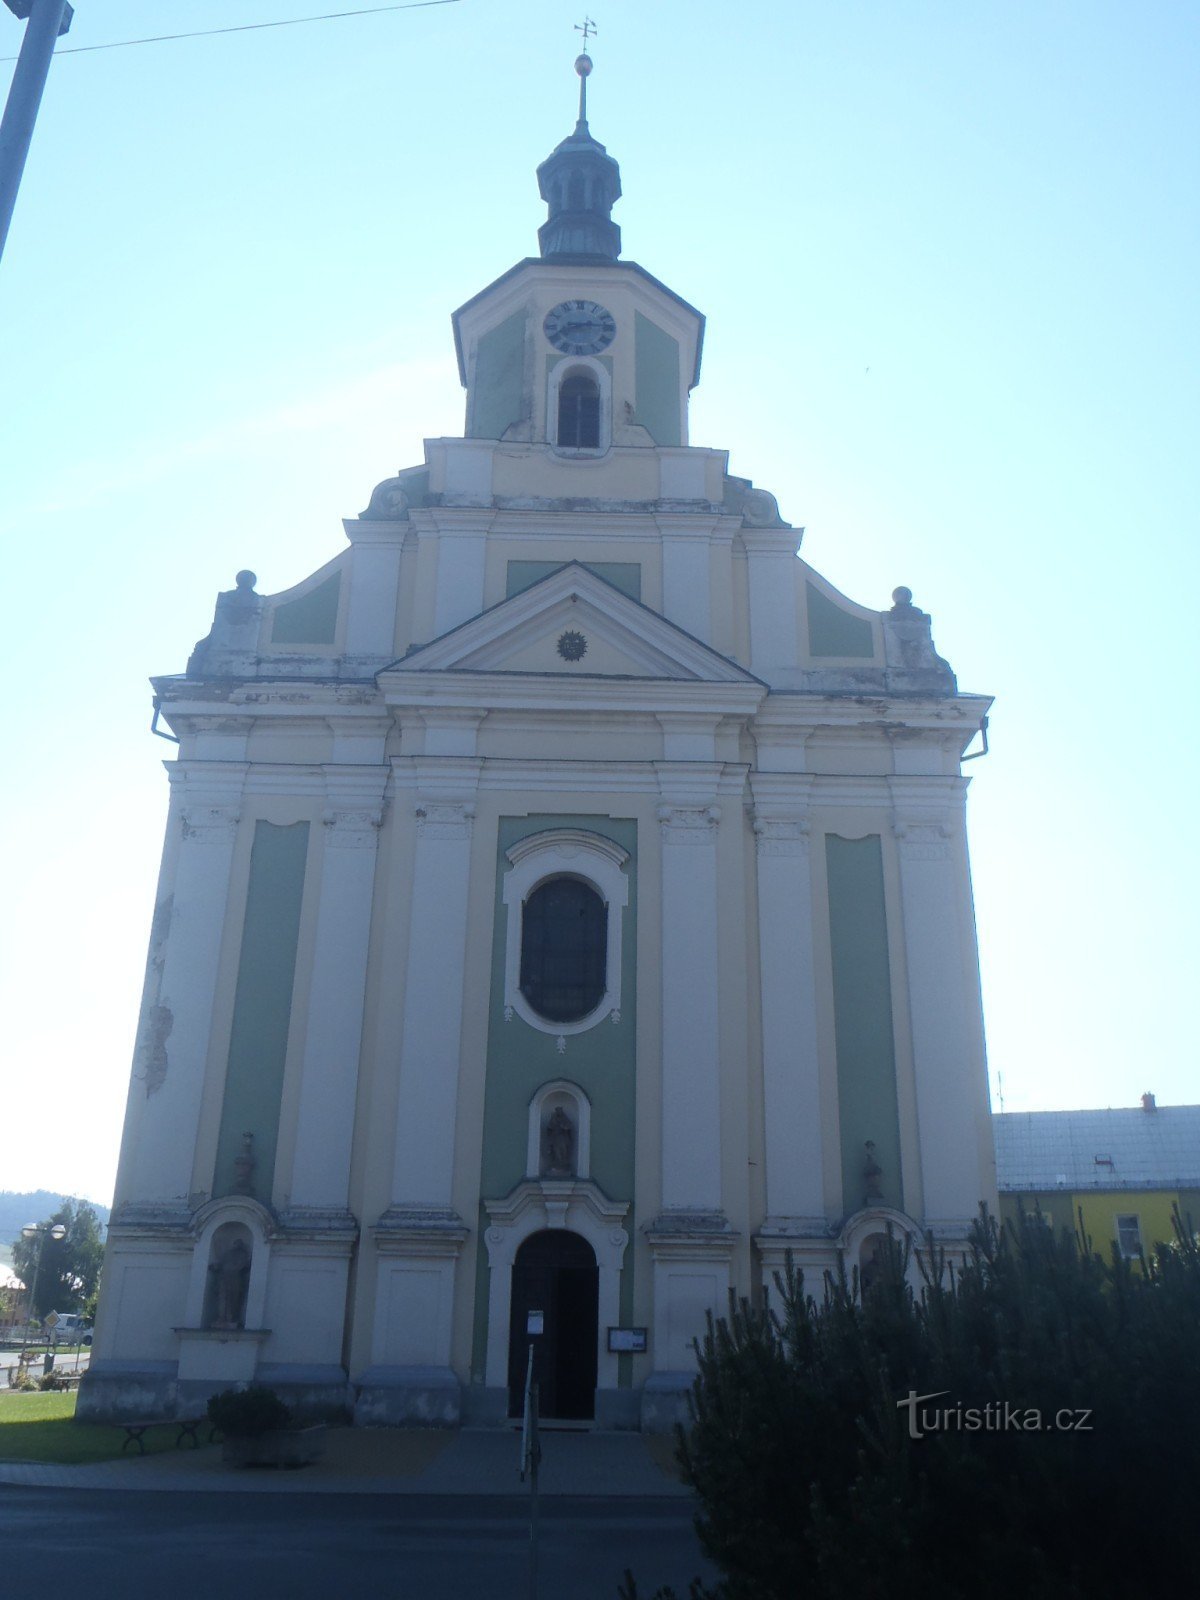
(352, 830)
(689, 824)
(206, 783)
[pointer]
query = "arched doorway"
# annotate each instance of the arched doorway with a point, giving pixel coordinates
(555, 1272)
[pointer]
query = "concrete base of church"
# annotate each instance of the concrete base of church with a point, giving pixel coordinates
(664, 1401)
(316, 1393)
(619, 1409)
(128, 1391)
(416, 1397)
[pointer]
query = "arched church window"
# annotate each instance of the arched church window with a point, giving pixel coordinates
(579, 413)
(564, 945)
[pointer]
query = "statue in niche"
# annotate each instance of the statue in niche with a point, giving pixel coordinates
(244, 1164)
(232, 1275)
(872, 1173)
(560, 1145)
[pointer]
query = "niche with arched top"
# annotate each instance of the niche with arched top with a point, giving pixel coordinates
(560, 1132)
(227, 1287)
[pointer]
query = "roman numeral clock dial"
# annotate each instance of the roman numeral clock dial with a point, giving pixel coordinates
(580, 327)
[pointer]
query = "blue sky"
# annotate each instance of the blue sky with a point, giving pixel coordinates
(948, 256)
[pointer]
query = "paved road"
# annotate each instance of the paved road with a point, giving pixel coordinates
(308, 1547)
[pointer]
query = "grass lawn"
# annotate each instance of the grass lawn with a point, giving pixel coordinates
(42, 1427)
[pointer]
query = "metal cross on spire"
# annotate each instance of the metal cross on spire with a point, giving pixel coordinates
(583, 65)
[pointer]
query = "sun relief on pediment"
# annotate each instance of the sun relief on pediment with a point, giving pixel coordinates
(575, 643)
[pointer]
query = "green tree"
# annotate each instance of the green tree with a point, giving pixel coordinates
(812, 1485)
(70, 1267)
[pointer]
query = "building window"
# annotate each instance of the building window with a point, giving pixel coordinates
(565, 893)
(1129, 1236)
(579, 407)
(579, 413)
(564, 947)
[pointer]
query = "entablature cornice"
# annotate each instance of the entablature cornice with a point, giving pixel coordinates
(879, 713)
(453, 521)
(595, 519)
(560, 697)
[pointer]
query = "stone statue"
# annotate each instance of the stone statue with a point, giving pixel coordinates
(872, 1173)
(560, 1145)
(231, 644)
(233, 1282)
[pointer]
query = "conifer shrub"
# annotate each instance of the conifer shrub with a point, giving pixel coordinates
(248, 1413)
(1057, 1455)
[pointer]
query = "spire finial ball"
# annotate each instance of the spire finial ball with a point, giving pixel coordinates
(583, 65)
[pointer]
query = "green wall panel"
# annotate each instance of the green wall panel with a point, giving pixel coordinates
(602, 1061)
(862, 1011)
(498, 392)
(623, 575)
(310, 618)
(262, 1006)
(834, 632)
(656, 400)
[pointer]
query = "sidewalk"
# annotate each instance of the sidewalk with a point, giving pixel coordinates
(471, 1461)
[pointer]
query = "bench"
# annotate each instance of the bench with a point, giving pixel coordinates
(188, 1427)
(64, 1380)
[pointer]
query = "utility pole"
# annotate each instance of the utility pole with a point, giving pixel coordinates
(45, 21)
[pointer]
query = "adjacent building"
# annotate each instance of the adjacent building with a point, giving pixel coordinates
(564, 910)
(1117, 1176)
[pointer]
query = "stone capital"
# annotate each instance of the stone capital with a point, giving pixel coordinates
(694, 825)
(352, 830)
(210, 824)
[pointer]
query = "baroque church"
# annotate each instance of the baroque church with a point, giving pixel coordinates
(564, 911)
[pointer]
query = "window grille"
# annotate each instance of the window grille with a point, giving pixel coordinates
(564, 944)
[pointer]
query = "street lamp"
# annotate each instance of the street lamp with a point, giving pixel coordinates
(38, 1231)
(46, 20)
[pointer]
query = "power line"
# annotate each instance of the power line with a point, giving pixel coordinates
(248, 27)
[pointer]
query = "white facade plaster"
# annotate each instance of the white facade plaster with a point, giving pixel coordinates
(172, 1052)
(792, 1105)
(329, 1071)
(374, 579)
(691, 1113)
(444, 708)
(429, 1049)
(947, 1039)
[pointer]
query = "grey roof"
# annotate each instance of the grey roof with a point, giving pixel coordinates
(1114, 1149)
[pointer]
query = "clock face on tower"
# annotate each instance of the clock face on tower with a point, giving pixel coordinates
(580, 328)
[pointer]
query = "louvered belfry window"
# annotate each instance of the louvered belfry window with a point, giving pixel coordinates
(579, 413)
(564, 945)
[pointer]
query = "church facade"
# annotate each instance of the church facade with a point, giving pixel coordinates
(564, 912)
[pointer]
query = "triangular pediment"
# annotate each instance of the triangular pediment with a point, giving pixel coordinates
(572, 624)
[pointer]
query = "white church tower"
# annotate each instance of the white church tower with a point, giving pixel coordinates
(564, 909)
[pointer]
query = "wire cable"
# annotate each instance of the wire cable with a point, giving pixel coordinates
(247, 27)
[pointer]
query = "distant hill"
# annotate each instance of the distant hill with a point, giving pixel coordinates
(33, 1206)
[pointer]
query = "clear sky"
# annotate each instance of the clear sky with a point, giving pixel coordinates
(948, 255)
